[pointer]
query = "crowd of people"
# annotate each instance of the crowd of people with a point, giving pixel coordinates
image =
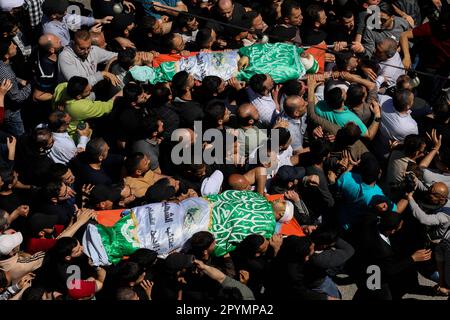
(358, 147)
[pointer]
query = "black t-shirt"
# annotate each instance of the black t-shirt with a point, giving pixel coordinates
(45, 73)
(130, 123)
(188, 111)
(222, 30)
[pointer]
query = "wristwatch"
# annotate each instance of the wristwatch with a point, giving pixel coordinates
(377, 119)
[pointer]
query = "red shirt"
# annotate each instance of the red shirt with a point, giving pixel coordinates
(437, 54)
(35, 245)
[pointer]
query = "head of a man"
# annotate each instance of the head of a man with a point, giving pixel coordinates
(50, 44)
(335, 98)
(78, 88)
(239, 182)
(59, 121)
(82, 44)
(316, 16)
(437, 194)
(291, 13)
(96, 151)
(262, 84)
(137, 164)
(226, 8)
(247, 115)
(8, 49)
(55, 9)
(347, 20)
(385, 49)
(173, 43)
(295, 106)
(403, 100)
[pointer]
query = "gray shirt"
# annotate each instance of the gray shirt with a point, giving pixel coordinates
(439, 221)
(371, 37)
(247, 294)
(69, 64)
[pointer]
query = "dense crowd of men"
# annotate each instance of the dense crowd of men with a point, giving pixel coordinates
(363, 150)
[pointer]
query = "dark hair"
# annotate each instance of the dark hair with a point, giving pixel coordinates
(313, 13)
(294, 249)
(346, 14)
(179, 83)
(390, 221)
(57, 171)
(182, 20)
(324, 235)
(334, 98)
(199, 242)
(6, 174)
(132, 162)
(167, 42)
(33, 294)
(160, 191)
(229, 294)
(7, 23)
(94, 149)
(401, 99)
(148, 126)
(132, 91)
(355, 95)
(146, 23)
(125, 58)
(40, 137)
(56, 120)
(211, 84)
(203, 37)
(127, 272)
(76, 86)
(248, 247)
(160, 95)
(370, 168)
(292, 88)
(386, 8)
(214, 111)
(63, 247)
(256, 82)
(319, 149)
(144, 257)
(82, 34)
(283, 136)
(348, 135)
(5, 43)
(51, 190)
(287, 6)
(342, 59)
(441, 110)
(412, 144)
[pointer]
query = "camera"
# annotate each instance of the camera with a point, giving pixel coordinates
(81, 125)
(408, 184)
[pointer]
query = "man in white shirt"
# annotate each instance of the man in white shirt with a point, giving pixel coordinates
(260, 95)
(64, 148)
(396, 120)
(295, 114)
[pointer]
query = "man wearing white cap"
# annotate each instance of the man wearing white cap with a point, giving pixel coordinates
(12, 261)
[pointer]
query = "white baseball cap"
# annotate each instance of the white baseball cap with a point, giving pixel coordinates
(9, 241)
(8, 5)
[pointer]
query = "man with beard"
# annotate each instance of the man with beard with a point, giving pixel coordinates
(82, 58)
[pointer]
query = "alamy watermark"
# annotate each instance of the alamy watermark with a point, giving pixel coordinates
(373, 19)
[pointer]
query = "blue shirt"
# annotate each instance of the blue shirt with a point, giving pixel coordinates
(341, 118)
(147, 5)
(358, 197)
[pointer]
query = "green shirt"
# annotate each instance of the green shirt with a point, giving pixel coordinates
(341, 118)
(80, 110)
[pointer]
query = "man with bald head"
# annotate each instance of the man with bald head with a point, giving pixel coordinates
(46, 67)
(434, 212)
(229, 12)
(238, 182)
(294, 112)
(249, 135)
(386, 52)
